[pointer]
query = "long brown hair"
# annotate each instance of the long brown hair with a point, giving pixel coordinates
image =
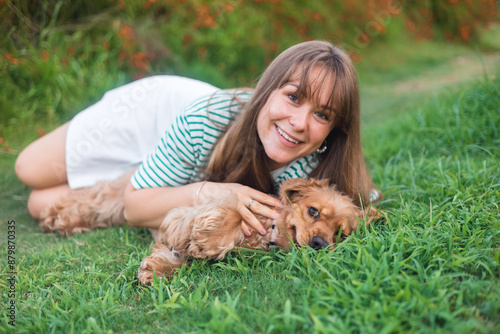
(239, 155)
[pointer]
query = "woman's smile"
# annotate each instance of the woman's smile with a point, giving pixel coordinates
(288, 138)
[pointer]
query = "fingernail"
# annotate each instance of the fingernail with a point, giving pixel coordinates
(248, 233)
(263, 231)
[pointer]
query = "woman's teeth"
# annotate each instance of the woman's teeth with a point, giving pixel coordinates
(287, 137)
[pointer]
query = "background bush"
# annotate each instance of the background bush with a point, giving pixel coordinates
(225, 42)
(456, 20)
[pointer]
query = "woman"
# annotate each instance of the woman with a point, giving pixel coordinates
(301, 120)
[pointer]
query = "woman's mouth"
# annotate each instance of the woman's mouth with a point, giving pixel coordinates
(286, 136)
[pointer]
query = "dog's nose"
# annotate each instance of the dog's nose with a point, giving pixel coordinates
(318, 242)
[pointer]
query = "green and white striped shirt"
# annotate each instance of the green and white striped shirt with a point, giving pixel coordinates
(185, 148)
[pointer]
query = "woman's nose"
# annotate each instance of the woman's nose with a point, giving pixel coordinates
(299, 120)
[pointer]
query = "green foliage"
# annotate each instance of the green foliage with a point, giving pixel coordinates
(453, 19)
(29, 19)
(50, 83)
(225, 42)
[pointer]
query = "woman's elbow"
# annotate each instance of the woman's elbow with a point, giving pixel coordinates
(128, 209)
(129, 219)
(141, 207)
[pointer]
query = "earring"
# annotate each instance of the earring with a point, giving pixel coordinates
(322, 150)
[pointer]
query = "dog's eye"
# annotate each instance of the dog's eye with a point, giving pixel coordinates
(313, 212)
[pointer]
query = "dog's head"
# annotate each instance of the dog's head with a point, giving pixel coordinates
(316, 214)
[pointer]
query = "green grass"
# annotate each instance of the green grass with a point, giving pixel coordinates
(431, 267)
(403, 73)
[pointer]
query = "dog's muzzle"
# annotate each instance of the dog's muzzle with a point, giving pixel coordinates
(318, 242)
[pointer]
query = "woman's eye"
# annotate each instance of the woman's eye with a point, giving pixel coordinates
(322, 116)
(313, 212)
(294, 98)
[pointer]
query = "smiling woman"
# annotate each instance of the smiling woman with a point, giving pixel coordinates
(301, 120)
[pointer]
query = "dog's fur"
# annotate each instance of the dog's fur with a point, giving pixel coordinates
(85, 209)
(313, 214)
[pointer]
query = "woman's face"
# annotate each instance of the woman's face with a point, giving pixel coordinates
(291, 128)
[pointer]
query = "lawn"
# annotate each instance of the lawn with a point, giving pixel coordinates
(431, 267)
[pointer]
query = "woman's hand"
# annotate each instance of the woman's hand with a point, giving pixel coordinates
(250, 202)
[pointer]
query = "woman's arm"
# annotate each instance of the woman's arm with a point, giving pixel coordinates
(148, 207)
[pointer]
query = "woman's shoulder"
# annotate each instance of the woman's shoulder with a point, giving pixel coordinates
(220, 107)
(221, 98)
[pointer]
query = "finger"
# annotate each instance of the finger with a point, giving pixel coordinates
(246, 230)
(251, 220)
(264, 198)
(263, 210)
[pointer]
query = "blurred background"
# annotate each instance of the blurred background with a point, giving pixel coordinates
(57, 57)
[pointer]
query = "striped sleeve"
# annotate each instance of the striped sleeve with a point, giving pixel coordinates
(185, 148)
(172, 162)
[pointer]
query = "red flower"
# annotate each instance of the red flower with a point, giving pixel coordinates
(148, 3)
(316, 16)
(186, 39)
(140, 61)
(41, 132)
(10, 58)
(355, 57)
(126, 33)
(228, 7)
(465, 32)
(45, 55)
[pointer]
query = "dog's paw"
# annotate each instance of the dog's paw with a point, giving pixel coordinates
(47, 222)
(51, 220)
(144, 275)
(146, 272)
(156, 264)
(373, 214)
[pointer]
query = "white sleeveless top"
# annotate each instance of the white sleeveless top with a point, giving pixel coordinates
(118, 132)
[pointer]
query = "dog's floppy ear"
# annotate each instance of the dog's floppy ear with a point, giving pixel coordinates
(349, 225)
(291, 187)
